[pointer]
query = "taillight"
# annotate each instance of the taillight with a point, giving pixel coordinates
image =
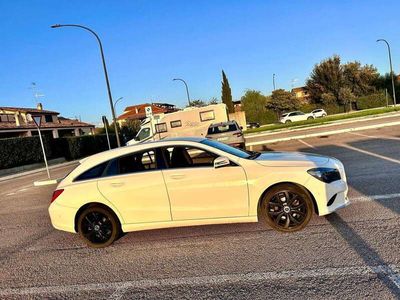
(56, 193)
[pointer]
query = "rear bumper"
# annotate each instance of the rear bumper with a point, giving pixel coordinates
(62, 217)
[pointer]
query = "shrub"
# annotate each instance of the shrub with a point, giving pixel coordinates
(372, 101)
(20, 151)
(80, 146)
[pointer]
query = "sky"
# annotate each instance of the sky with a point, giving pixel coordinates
(148, 43)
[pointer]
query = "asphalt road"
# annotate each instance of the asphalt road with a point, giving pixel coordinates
(353, 254)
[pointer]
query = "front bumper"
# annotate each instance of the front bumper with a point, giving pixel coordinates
(62, 217)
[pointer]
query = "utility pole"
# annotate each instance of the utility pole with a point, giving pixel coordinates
(391, 69)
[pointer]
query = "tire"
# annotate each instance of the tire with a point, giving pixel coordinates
(310, 118)
(288, 121)
(288, 215)
(98, 227)
(324, 115)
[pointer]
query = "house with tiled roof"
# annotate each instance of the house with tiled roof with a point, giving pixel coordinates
(14, 122)
(137, 112)
(302, 94)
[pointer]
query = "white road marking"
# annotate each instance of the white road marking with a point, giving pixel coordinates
(307, 144)
(374, 197)
(376, 137)
(10, 194)
(370, 153)
(391, 271)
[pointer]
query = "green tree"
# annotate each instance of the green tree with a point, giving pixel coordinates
(332, 82)
(326, 78)
(198, 103)
(253, 104)
(227, 93)
(281, 101)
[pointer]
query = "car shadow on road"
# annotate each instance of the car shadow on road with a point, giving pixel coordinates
(365, 252)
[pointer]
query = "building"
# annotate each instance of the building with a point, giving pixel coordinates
(237, 105)
(302, 94)
(15, 123)
(137, 112)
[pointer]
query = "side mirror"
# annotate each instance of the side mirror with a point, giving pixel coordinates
(241, 127)
(221, 161)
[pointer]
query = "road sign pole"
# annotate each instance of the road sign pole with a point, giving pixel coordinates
(106, 127)
(44, 153)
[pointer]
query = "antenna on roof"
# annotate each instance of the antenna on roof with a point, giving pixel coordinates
(36, 93)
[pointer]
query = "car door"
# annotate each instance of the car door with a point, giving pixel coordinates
(135, 185)
(197, 190)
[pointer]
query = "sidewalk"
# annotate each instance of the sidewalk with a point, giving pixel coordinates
(21, 174)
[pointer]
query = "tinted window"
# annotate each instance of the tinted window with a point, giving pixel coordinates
(136, 162)
(92, 173)
(188, 157)
(222, 128)
(143, 134)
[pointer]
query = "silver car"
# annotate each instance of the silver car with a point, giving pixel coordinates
(227, 132)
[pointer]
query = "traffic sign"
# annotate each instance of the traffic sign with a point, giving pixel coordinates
(149, 111)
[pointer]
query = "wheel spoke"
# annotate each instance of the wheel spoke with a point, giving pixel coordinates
(287, 223)
(278, 218)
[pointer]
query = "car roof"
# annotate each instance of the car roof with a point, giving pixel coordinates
(223, 123)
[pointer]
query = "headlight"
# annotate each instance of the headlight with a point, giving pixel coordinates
(327, 175)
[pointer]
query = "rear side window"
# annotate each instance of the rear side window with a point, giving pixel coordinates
(222, 128)
(92, 173)
(136, 162)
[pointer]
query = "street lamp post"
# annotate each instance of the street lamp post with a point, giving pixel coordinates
(391, 69)
(116, 101)
(187, 89)
(105, 72)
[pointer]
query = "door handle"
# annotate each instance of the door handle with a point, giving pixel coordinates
(117, 184)
(177, 176)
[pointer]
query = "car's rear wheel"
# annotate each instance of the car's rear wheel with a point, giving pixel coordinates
(288, 121)
(98, 227)
(287, 208)
(310, 118)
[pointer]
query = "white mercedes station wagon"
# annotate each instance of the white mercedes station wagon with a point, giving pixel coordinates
(194, 181)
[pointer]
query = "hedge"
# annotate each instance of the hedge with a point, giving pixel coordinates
(16, 152)
(21, 151)
(373, 100)
(80, 146)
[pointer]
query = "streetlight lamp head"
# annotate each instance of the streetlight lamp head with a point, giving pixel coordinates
(174, 79)
(55, 26)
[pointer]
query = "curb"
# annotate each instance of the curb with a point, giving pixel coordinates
(332, 132)
(13, 176)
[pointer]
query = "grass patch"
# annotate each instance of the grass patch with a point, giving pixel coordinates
(325, 120)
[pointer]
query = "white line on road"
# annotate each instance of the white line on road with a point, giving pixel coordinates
(307, 144)
(374, 197)
(390, 271)
(371, 153)
(376, 137)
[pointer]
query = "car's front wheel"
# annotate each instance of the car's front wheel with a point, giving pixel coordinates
(98, 227)
(287, 208)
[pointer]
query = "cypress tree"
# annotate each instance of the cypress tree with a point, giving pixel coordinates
(227, 93)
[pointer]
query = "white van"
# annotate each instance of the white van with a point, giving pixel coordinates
(191, 121)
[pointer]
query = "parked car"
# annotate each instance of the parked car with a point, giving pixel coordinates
(227, 132)
(194, 181)
(295, 116)
(319, 113)
(253, 125)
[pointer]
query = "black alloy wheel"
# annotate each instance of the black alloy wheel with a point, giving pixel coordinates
(98, 227)
(287, 208)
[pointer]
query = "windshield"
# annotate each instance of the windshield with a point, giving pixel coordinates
(143, 134)
(229, 149)
(215, 129)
